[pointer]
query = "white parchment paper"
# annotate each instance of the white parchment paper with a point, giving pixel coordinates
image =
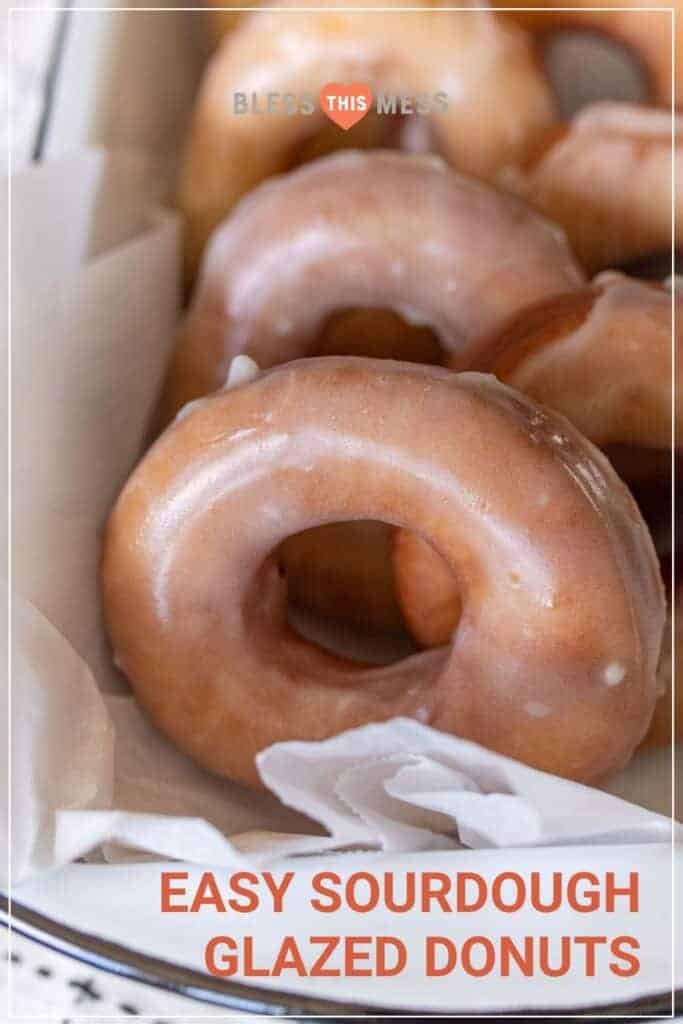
(93, 321)
(62, 742)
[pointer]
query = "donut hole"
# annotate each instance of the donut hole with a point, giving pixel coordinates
(379, 334)
(339, 576)
(349, 641)
(610, 70)
(340, 591)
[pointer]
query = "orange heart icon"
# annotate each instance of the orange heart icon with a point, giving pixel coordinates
(346, 105)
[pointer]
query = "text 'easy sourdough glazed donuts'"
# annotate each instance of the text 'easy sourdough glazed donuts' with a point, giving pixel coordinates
(602, 357)
(607, 180)
(495, 101)
(555, 654)
(380, 230)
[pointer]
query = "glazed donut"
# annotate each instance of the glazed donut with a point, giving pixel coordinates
(608, 182)
(647, 35)
(555, 658)
(601, 357)
(410, 236)
(488, 100)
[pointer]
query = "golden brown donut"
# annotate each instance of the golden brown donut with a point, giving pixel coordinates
(554, 661)
(411, 236)
(607, 181)
(343, 571)
(497, 103)
(647, 34)
(602, 357)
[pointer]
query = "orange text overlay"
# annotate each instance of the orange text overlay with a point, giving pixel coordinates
(412, 893)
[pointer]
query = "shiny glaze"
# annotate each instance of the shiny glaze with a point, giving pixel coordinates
(558, 575)
(382, 230)
(602, 357)
(499, 103)
(379, 230)
(608, 182)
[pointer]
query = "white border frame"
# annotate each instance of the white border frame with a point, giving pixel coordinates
(378, 9)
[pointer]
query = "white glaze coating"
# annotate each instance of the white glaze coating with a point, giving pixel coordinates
(611, 375)
(608, 182)
(602, 357)
(242, 370)
(550, 596)
(292, 253)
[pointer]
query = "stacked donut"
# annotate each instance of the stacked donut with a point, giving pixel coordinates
(398, 399)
